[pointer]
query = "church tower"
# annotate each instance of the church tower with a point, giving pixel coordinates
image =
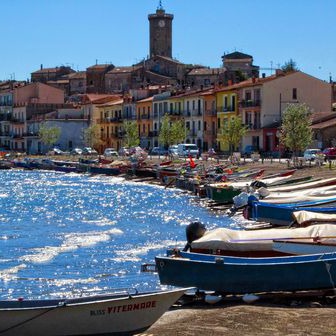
(160, 33)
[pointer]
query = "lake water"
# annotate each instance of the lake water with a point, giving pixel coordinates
(72, 234)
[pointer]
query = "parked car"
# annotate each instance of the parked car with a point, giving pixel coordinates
(250, 149)
(57, 151)
(111, 152)
(187, 149)
(173, 150)
(76, 151)
(311, 153)
(158, 151)
(330, 153)
(89, 151)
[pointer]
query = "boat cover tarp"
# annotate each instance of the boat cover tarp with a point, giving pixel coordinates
(304, 217)
(258, 240)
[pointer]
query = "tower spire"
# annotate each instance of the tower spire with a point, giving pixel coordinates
(160, 5)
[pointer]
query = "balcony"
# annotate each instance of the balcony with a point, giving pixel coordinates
(109, 120)
(227, 108)
(17, 121)
(255, 126)
(30, 134)
(145, 116)
(153, 133)
(249, 103)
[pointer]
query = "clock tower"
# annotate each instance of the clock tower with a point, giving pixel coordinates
(160, 33)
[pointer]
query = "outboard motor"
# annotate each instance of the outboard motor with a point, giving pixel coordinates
(194, 230)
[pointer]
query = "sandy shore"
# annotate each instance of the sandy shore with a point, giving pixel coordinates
(243, 319)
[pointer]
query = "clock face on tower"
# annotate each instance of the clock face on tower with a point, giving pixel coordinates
(161, 23)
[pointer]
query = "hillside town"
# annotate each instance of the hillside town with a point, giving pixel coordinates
(204, 98)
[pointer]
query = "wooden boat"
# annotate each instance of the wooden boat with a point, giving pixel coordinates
(105, 170)
(307, 185)
(224, 192)
(236, 275)
(120, 314)
(251, 243)
(281, 214)
(295, 196)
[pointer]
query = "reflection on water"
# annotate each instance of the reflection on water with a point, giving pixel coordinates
(66, 234)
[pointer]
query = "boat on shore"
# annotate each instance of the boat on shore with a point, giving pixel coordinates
(250, 243)
(282, 214)
(239, 275)
(114, 314)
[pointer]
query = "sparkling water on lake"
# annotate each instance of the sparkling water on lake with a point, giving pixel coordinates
(72, 234)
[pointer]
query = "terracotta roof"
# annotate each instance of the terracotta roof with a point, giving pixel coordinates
(100, 98)
(325, 124)
(99, 66)
(322, 116)
(145, 100)
(50, 70)
(78, 74)
(59, 81)
(46, 70)
(113, 103)
(253, 82)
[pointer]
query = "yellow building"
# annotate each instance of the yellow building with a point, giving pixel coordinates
(144, 116)
(227, 107)
(110, 123)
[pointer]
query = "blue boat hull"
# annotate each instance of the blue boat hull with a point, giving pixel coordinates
(234, 275)
(281, 214)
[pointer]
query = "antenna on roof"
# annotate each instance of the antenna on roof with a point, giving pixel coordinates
(160, 5)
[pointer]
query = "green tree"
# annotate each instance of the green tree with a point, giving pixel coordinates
(178, 132)
(92, 136)
(165, 131)
(49, 135)
(289, 66)
(232, 133)
(131, 137)
(296, 133)
(171, 132)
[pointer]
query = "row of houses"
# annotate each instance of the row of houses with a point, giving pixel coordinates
(260, 102)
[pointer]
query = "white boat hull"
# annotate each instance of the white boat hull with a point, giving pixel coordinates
(104, 315)
(302, 248)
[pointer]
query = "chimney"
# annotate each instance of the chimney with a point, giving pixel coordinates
(229, 82)
(263, 75)
(41, 66)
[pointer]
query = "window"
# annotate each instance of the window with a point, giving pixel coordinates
(248, 95)
(233, 103)
(294, 93)
(199, 125)
(218, 123)
(225, 103)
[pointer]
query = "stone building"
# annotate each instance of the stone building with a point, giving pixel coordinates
(160, 33)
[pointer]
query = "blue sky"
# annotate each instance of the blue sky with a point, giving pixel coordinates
(79, 32)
